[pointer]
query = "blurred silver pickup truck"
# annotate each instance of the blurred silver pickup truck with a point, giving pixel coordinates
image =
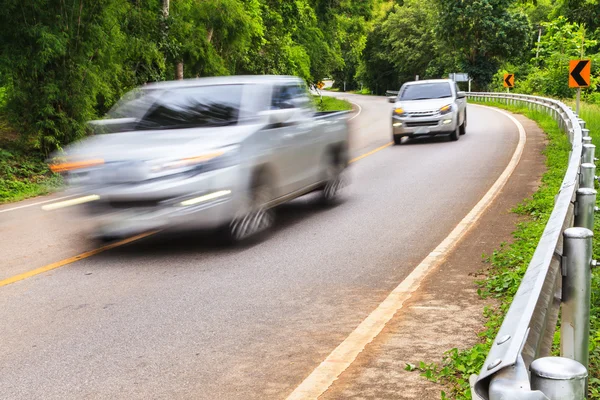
(428, 108)
(209, 153)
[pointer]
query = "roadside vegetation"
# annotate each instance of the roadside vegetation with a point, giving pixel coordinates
(327, 103)
(506, 266)
(64, 64)
(23, 172)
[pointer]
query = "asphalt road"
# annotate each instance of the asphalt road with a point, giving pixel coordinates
(174, 317)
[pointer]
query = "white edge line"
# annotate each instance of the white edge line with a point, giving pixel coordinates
(322, 377)
(359, 110)
(37, 204)
(72, 202)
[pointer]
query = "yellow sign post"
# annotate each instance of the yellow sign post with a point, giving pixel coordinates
(579, 76)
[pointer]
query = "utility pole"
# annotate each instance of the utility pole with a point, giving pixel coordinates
(581, 58)
(537, 53)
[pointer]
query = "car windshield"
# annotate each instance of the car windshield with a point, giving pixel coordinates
(177, 108)
(424, 91)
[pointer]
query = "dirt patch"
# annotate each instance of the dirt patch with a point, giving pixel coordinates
(446, 311)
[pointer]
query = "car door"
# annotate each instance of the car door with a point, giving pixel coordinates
(289, 141)
(310, 140)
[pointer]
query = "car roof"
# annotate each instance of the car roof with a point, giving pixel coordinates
(225, 80)
(429, 81)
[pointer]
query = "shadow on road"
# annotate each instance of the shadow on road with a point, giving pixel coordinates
(426, 140)
(167, 243)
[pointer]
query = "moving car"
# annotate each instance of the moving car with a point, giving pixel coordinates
(216, 153)
(428, 108)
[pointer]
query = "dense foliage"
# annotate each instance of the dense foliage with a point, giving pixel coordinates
(63, 63)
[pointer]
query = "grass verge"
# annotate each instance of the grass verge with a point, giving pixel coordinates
(23, 172)
(24, 175)
(327, 103)
(507, 265)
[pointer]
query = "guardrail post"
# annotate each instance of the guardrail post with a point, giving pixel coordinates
(576, 292)
(585, 204)
(581, 123)
(587, 175)
(585, 132)
(586, 140)
(589, 152)
(559, 378)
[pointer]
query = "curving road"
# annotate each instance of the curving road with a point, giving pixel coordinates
(174, 317)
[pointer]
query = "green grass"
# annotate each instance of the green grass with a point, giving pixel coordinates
(327, 103)
(507, 265)
(23, 172)
(364, 91)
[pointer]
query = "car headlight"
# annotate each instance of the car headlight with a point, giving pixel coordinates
(399, 111)
(199, 163)
(59, 165)
(446, 109)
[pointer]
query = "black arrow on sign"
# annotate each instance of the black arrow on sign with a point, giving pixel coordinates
(577, 71)
(507, 80)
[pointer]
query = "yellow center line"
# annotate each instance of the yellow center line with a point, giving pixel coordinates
(81, 256)
(370, 152)
(90, 253)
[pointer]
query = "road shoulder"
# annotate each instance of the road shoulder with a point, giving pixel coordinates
(445, 312)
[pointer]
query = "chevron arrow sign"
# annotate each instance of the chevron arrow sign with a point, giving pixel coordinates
(579, 73)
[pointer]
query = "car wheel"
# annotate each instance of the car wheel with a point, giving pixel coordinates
(335, 180)
(397, 139)
(107, 239)
(258, 219)
(455, 135)
(463, 127)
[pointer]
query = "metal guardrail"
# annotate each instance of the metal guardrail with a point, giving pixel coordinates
(518, 365)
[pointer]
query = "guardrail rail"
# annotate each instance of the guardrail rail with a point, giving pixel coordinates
(558, 277)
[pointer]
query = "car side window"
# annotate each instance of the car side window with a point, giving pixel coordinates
(293, 95)
(282, 97)
(303, 97)
(457, 89)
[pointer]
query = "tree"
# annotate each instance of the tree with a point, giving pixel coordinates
(58, 58)
(346, 24)
(484, 33)
(401, 45)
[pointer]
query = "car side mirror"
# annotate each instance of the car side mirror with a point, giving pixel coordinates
(392, 99)
(461, 95)
(278, 117)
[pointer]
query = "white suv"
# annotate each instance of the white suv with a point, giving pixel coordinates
(428, 108)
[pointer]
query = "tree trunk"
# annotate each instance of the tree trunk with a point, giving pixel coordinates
(165, 9)
(179, 67)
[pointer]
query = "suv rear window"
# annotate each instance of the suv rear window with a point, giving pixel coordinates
(424, 91)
